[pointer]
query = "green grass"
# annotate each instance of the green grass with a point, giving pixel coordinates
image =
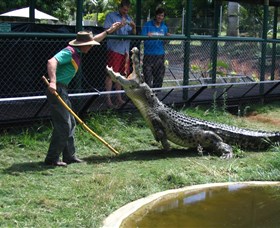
(82, 195)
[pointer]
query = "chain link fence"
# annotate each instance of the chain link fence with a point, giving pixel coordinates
(23, 62)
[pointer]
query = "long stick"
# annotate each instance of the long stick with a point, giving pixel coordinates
(79, 120)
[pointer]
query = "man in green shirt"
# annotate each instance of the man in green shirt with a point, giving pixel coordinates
(62, 68)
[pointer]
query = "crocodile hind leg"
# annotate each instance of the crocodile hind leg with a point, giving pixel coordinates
(211, 141)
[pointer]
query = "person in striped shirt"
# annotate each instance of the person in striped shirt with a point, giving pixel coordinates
(62, 68)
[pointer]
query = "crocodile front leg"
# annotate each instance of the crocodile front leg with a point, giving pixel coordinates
(160, 134)
(224, 150)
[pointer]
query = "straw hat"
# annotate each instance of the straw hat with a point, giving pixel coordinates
(84, 38)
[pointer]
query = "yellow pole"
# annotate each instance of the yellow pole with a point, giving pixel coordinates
(80, 121)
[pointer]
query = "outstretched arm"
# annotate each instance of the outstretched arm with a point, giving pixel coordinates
(101, 36)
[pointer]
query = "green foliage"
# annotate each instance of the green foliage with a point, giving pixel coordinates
(89, 16)
(236, 49)
(251, 19)
(93, 16)
(11, 5)
(221, 66)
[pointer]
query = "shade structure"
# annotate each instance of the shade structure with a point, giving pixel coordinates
(24, 12)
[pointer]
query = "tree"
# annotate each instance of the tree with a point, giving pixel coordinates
(251, 19)
(97, 9)
(233, 19)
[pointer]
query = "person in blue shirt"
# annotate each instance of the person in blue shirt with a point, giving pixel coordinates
(154, 54)
(62, 68)
(118, 50)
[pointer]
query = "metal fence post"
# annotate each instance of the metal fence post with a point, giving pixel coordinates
(79, 17)
(263, 44)
(273, 60)
(187, 48)
(214, 48)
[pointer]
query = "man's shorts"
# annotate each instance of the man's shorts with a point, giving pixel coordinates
(119, 62)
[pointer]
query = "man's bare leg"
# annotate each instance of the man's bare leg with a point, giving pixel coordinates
(108, 87)
(120, 101)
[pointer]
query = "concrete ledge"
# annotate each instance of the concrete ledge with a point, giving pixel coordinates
(115, 219)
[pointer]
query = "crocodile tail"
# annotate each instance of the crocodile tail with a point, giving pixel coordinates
(254, 140)
(244, 138)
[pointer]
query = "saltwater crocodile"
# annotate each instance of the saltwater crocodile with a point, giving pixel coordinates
(167, 124)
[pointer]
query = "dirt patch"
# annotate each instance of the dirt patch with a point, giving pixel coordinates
(264, 119)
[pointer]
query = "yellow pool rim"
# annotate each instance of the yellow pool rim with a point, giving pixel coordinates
(115, 219)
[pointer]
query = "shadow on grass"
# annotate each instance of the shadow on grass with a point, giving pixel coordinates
(15, 169)
(142, 155)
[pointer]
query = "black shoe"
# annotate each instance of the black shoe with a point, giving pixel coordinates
(74, 160)
(58, 163)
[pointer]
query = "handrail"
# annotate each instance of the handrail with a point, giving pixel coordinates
(154, 89)
(138, 37)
